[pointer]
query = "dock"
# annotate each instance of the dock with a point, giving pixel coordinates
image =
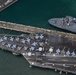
(31, 29)
(5, 3)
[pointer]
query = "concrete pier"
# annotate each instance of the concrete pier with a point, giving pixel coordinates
(5, 3)
(31, 29)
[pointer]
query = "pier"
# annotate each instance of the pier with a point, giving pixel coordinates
(31, 29)
(5, 3)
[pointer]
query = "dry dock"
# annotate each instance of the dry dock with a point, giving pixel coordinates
(6, 3)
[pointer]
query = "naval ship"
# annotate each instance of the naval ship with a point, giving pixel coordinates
(67, 23)
(41, 47)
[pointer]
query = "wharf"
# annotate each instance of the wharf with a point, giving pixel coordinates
(31, 29)
(5, 3)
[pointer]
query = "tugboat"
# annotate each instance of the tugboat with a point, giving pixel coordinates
(67, 23)
(42, 48)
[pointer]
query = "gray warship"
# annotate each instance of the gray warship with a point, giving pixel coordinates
(67, 23)
(41, 47)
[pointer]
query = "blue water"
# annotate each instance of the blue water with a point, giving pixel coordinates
(33, 13)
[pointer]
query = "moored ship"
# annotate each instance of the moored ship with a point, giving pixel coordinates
(44, 48)
(67, 23)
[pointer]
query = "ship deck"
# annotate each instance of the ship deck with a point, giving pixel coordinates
(42, 47)
(6, 3)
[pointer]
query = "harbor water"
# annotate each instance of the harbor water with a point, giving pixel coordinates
(34, 13)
